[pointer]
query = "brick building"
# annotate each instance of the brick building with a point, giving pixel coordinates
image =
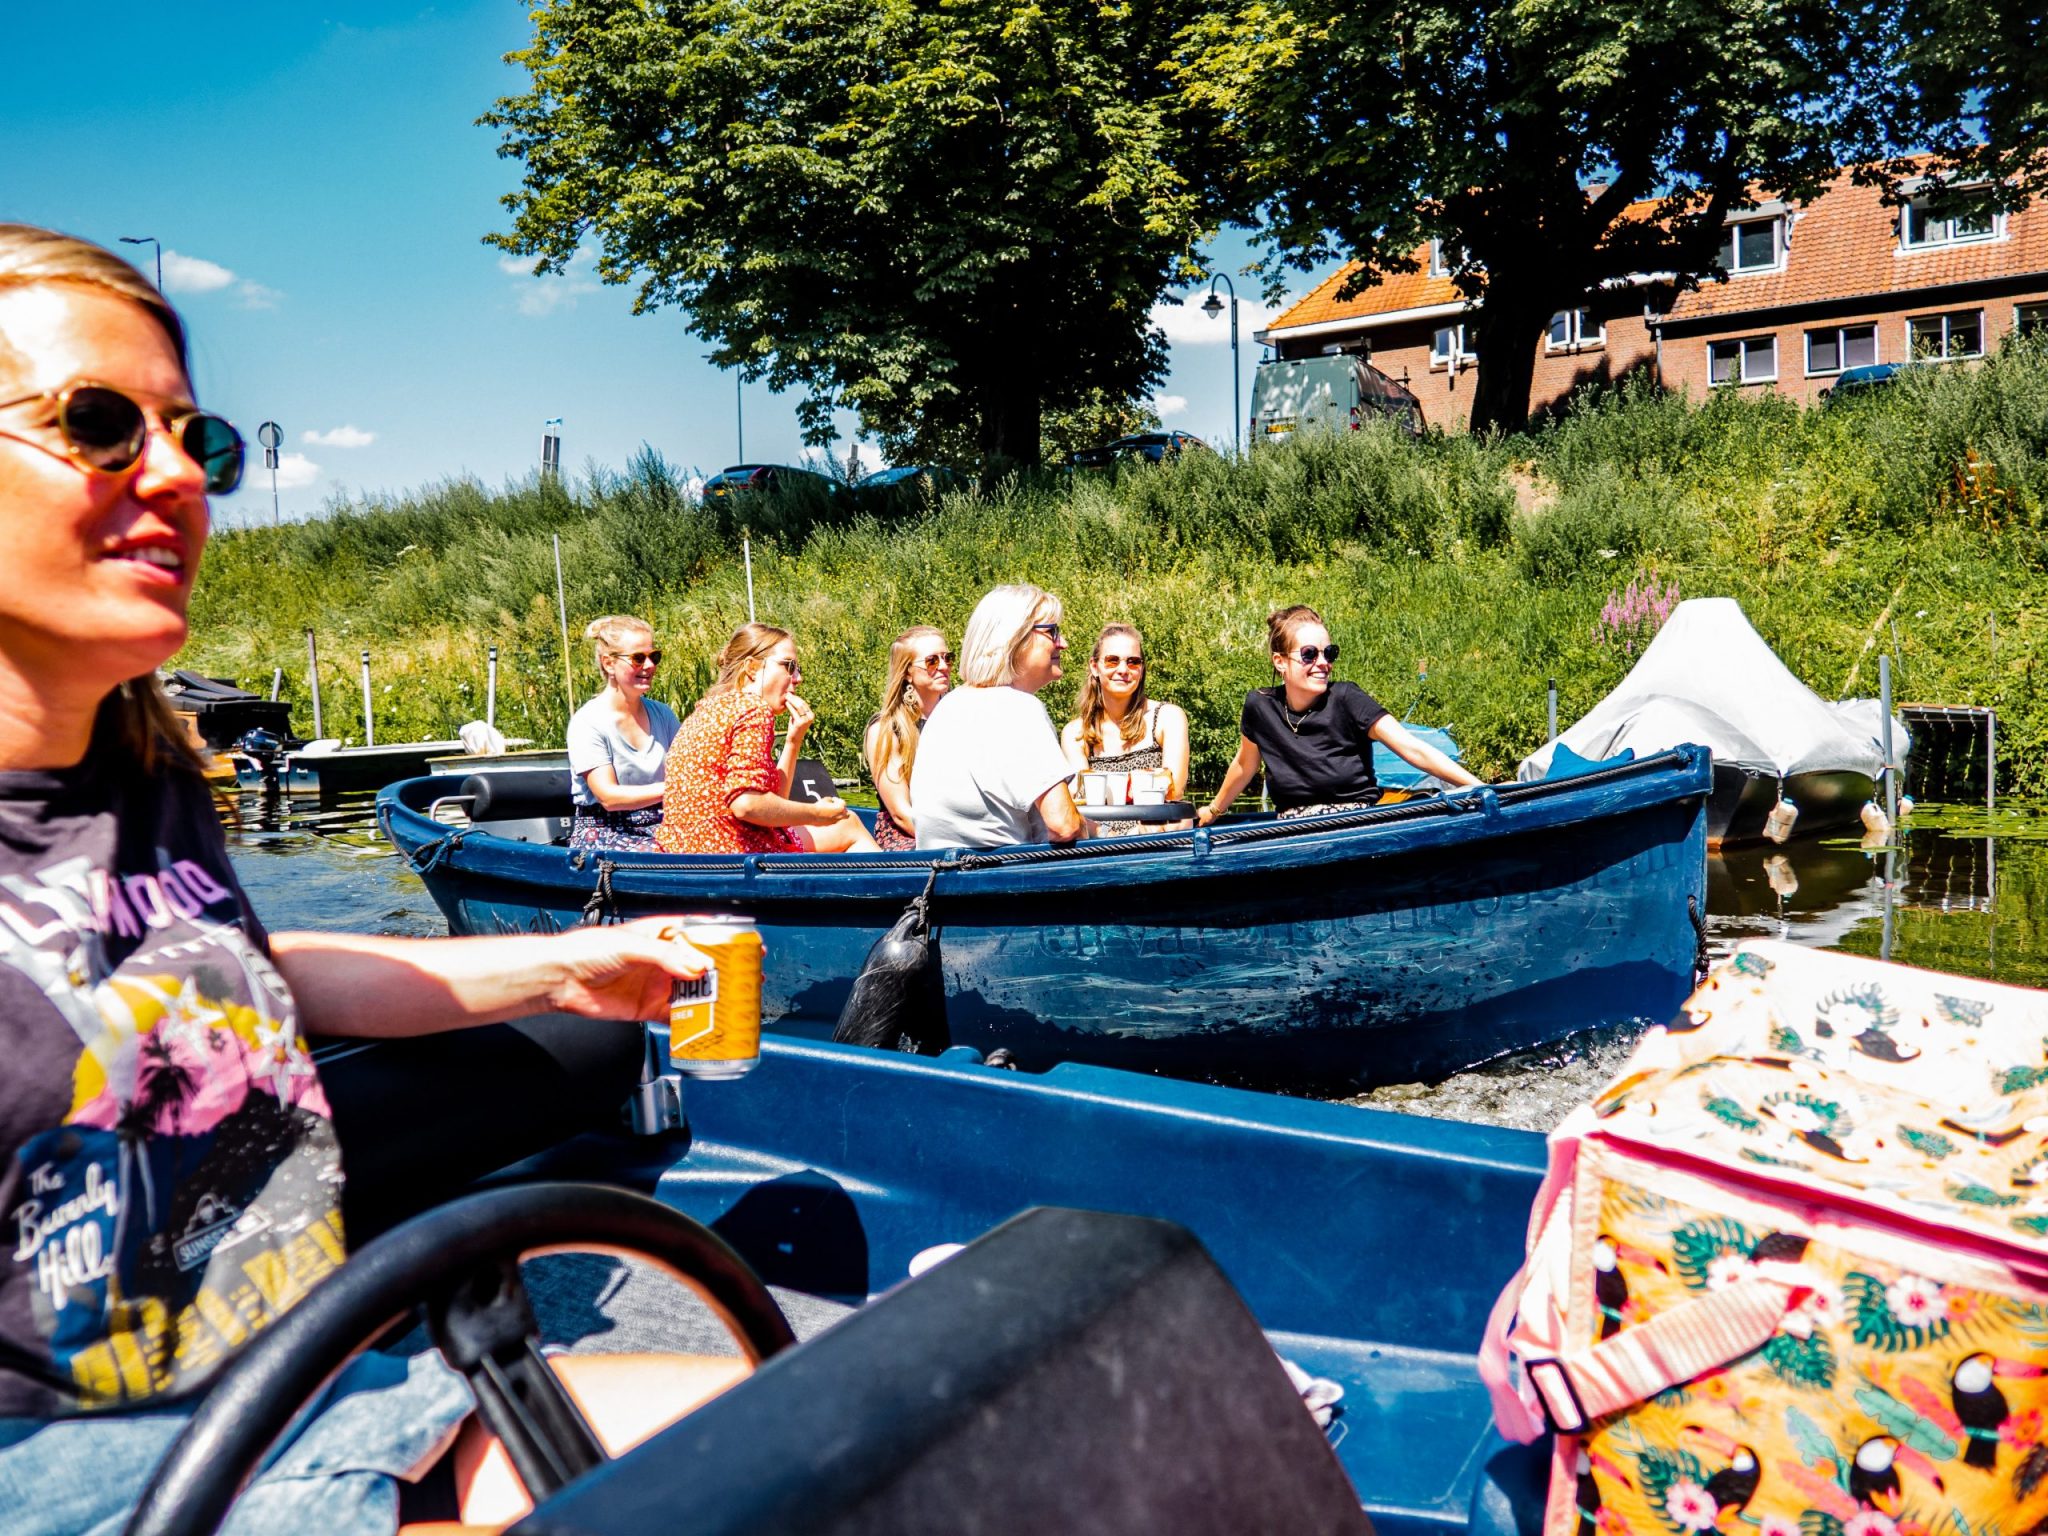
(1813, 289)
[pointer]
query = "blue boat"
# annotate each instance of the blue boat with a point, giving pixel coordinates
(1068, 1352)
(1391, 944)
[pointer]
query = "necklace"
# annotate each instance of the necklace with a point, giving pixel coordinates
(1287, 714)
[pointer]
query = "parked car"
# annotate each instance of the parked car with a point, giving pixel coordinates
(1150, 447)
(766, 477)
(1336, 393)
(1854, 382)
(905, 487)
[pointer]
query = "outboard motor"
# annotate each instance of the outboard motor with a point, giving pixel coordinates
(265, 750)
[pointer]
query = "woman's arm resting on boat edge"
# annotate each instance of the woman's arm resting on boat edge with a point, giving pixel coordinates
(363, 984)
(604, 784)
(1404, 744)
(764, 810)
(1235, 777)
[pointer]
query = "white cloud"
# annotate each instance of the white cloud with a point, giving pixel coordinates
(1185, 324)
(294, 472)
(195, 274)
(350, 436)
(1169, 406)
(544, 294)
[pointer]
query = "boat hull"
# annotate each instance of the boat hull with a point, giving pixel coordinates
(1406, 947)
(1828, 801)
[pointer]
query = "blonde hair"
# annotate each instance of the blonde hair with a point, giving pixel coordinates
(740, 658)
(1283, 622)
(611, 632)
(1090, 708)
(1000, 625)
(31, 257)
(900, 710)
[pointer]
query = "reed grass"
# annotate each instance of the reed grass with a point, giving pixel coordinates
(1460, 574)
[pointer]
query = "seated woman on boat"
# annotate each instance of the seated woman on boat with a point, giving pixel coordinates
(989, 771)
(618, 742)
(1119, 728)
(726, 790)
(165, 1133)
(1313, 735)
(920, 672)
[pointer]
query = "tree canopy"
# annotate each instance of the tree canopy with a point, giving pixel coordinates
(1521, 133)
(951, 216)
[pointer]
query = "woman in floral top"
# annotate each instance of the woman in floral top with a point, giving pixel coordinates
(725, 791)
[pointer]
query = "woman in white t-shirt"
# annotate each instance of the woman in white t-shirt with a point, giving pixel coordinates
(618, 742)
(990, 772)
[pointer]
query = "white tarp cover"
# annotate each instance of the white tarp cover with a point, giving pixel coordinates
(1709, 678)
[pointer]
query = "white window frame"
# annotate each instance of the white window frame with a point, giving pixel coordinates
(2021, 326)
(1842, 348)
(1742, 373)
(1777, 261)
(1576, 336)
(1943, 355)
(1458, 356)
(1948, 237)
(1438, 266)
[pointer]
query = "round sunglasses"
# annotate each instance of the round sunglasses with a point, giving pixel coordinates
(1309, 654)
(106, 430)
(638, 658)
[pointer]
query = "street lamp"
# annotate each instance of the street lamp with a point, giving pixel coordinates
(1212, 307)
(739, 407)
(150, 240)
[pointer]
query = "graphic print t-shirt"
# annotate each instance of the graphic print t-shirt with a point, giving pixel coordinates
(169, 1177)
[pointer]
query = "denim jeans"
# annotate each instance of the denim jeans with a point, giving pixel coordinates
(383, 1419)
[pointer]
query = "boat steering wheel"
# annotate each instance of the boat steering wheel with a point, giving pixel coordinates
(462, 1262)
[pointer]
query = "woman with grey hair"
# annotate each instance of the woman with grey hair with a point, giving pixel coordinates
(990, 772)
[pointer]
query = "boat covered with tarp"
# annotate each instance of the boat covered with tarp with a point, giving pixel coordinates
(1708, 677)
(1388, 944)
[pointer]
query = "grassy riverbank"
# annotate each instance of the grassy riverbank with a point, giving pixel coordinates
(1458, 574)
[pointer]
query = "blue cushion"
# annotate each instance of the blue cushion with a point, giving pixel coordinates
(1567, 764)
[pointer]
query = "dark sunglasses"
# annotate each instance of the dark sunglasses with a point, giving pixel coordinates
(639, 658)
(937, 659)
(1050, 631)
(1309, 654)
(1123, 661)
(104, 429)
(788, 664)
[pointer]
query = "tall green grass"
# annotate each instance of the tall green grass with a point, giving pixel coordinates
(1459, 574)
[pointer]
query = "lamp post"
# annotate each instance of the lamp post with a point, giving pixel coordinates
(152, 241)
(739, 408)
(1212, 307)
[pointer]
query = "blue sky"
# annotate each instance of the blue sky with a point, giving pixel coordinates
(321, 192)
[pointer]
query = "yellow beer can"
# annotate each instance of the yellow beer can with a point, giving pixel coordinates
(714, 1021)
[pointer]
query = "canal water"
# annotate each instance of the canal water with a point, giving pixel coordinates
(1955, 890)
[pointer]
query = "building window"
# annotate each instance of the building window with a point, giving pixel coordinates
(1752, 360)
(1957, 334)
(1447, 347)
(1571, 328)
(1445, 260)
(1919, 229)
(1754, 245)
(2030, 319)
(1852, 346)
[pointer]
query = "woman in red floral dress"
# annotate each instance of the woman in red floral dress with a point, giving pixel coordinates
(724, 790)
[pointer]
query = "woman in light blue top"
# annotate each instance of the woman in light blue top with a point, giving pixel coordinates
(618, 742)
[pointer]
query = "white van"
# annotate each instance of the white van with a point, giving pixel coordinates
(1336, 393)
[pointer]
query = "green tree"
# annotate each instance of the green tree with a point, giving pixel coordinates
(1973, 87)
(951, 216)
(1519, 133)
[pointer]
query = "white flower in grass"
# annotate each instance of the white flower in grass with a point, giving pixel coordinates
(1914, 1302)
(1691, 1507)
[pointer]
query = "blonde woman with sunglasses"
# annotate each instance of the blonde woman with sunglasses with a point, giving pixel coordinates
(618, 742)
(166, 1133)
(1118, 727)
(727, 792)
(1313, 735)
(920, 673)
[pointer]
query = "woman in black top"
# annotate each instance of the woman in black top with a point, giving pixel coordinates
(1314, 736)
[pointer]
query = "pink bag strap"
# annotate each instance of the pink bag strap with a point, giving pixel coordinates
(1516, 1412)
(1675, 1346)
